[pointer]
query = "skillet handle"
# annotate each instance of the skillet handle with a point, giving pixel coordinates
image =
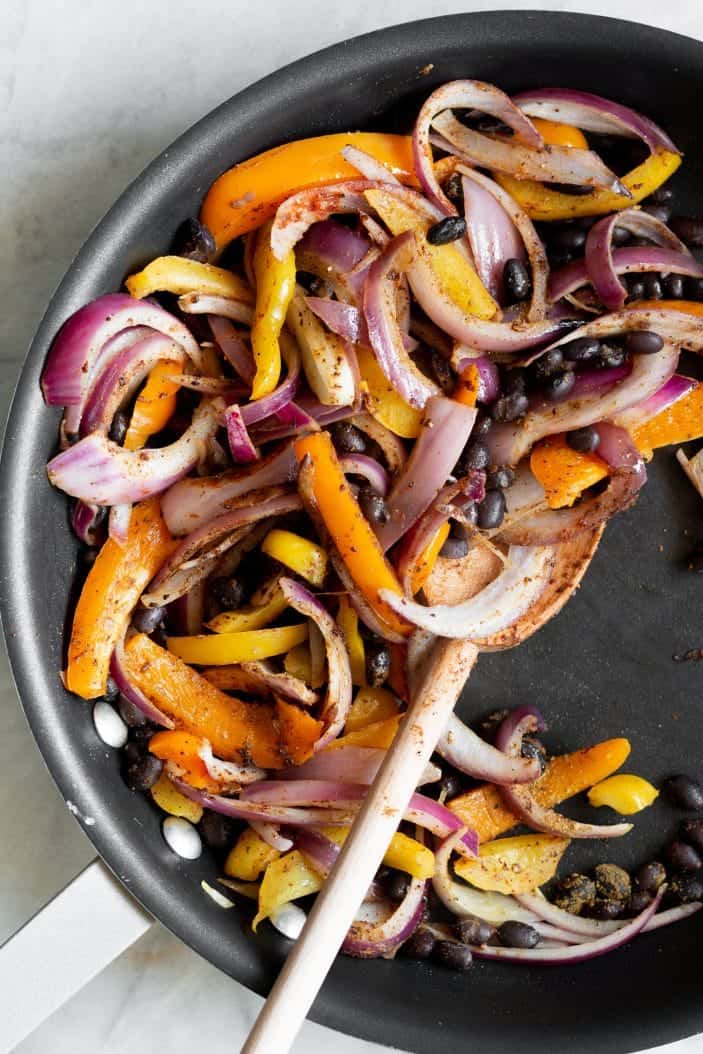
(62, 947)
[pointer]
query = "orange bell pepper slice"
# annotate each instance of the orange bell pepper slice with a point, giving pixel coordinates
(299, 731)
(114, 584)
(237, 731)
(427, 559)
(248, 194)
(182, 749)
(466, 388)
(349, 529)
(483, 809)
(154, 406)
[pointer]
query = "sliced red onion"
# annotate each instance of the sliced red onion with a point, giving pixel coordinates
(385, 335)
(69, 373)
(87, 523)
(233, 347)
(488, 375)
(346, 320)
(497, 606)
(300, 211)
(118, 672)
(445, 430)
(367, 165)
(363, 465)
(118, 523)
(502, 230)
(270, 833)
(668, 394)
(319, 851)
(99, 472)
(279, 399)
(468, 95)
(194, 502)
(211, 386)
(369, 940)
(593, 113)
(290, 421)
(192, 560)
(578, 952)
(337, 255)
(552, 164)
(188, 611)
(350, 764)
(393, 448)
(466, 751)
(640, 258)
(228, 773)
(284, 684)
(252, 811)
(222, 306)
(241, 447)
(520, 800)
(339, 680)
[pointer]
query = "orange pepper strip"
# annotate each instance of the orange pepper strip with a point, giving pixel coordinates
(300, 731)
(566, 775)
(182, 749)
(427, 559)
(248, 194)
(114, 584)
(350, 530)
(555, 134)
(466, 388)
(237, 731)
(154, 406)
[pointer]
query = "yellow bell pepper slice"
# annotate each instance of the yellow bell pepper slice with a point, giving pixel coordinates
(382, 400)
(246, 195)
(348, 622)
(154, 406)
(428, 558)
(223, 649)
(380, 735)
(514, 865)
(623, 793)
(249, 856)
(306, 558)
(249, 618)
(285, 879)
(349, 529)
(458, 279)
(298, 663)
(177, 275)
(371, 706)
(170, 799)
(556, 134)
(542, 203)
(275, 286)
(403, 853)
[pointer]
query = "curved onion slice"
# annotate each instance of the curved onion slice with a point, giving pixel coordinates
(338, 255)
(222, 306)
(228, 773)
(640, 258)
(363, 465)
(593, 113)
(466, 751)
(339, 680)
(384, 332)
(350, 764)
(668, 394)
(300, 211)
(118, 672)
(595, 928)
(346, 320)
(271, 834)
(233, 347)
(284, 684)
(502, 602)
(194, 502)
(241, 447)
(376, 940)
(240, 809)
(279, 399)
(519, 798)
(319, 851)
(445, 430)
(467, 95)
(118, 523)
(86, 522)
(367, 165)
(393, 449)
(102, 473)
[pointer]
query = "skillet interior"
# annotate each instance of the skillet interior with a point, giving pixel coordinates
(602, 668)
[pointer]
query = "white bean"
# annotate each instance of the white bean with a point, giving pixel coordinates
(182, 837)
(109, 725)
(289, 920)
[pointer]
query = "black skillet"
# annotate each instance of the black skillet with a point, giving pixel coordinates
(602, 668)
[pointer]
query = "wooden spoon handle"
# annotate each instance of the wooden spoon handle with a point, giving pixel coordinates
(307, 966)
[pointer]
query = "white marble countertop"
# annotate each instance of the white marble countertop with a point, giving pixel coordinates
(89, 93)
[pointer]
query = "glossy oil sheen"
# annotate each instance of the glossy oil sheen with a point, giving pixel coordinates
(602, 668)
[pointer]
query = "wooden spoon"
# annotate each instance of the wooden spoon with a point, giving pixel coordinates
(448, 667)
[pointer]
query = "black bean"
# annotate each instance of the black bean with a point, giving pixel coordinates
(491, 510)
(610, 355)
(141, 734)
(452, 955)
(217, 831)
(131, 714)
(483, 425)
(372, 505)
(574, 893)
(447, 230)
(576, 190)
(160, 636)
(638, 902)
(692, 832)
(660, 212)
(548, 364)
(143, 773)
(643, 342)
(585, 439)
(443, 372)
(514, 382)
(652, 287)
(583, 349)
(378, 663)
(194, 241)
(456, 545)
(605, 909)
(473, 931)
(673, 287)
(636, 289)
(689, 229)
(397, 885)
(559, 386)
(694, 287)
(347, 438)
(684, 889)
(500, 478)
(490, 125)
(510, 407)
(661, 195)
(569, 238)
(620, 236)
(518, 935)
(680, 856)
(650, 877)
(685, 792)
(475, 456)
(118, 428)
(419, 946)
(227, 592)
(111, 692)
(516, 277)
(132, 752)
(612, 882)
(558, 258)
(532, 748)
(454, 190)
(452, 785)
(145, 620)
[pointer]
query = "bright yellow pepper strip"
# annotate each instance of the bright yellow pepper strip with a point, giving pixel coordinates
(177, 275)
(371, 706)
(403, 853)
(304, 557)
(249, 618)
(153, 407)
(221, 649)
(514, 865)
(542, 203)
(170, 799)
(382, 400)
(298, 664)
(275, 286)
(248, 858)
(625, 794)
(348, 622)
